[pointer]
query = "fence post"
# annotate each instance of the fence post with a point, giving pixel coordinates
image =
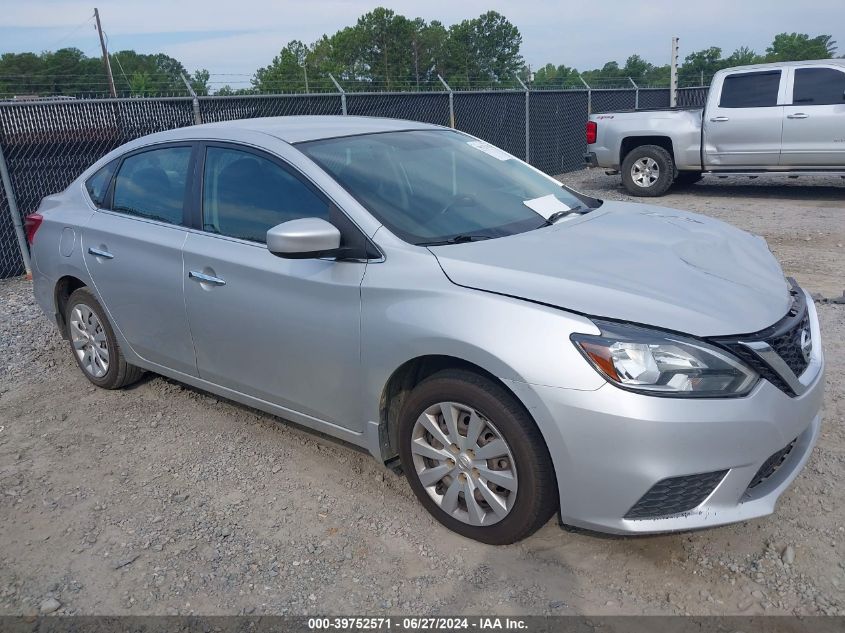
(527, 119)
(451, 102)
(342, 94)
(589, 95)
(13, 211)
(196, 101)
(636, 94)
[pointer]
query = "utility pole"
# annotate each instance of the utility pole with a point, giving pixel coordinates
(673, 77)
(305, 71)
(106, 61)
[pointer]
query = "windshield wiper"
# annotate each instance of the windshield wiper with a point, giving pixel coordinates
(458, 239)
(557, 215)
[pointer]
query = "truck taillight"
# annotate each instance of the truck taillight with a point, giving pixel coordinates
(31, 223)
(592, 130)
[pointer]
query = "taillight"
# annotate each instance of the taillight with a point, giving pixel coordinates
(32, 222)
(592, 130)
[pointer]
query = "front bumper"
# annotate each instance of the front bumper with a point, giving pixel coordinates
(610, 447)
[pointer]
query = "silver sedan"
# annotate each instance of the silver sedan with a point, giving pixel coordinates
(516, 348)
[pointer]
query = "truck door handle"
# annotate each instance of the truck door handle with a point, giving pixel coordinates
(719, 119)
(96, 252)
(797, 115)
(206, 279)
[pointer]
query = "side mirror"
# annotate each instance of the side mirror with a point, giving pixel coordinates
(306, 238)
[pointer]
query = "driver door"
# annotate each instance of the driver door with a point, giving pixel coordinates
(286, 331)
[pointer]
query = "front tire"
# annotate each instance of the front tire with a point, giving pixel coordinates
(475, 459)
(648, 170)
(94, 345)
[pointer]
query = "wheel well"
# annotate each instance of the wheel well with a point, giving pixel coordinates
(64, 288)
(403, 381)
(632, 142)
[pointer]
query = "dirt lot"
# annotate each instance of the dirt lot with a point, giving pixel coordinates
(162, 500)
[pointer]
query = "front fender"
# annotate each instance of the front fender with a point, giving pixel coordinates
(410, 309)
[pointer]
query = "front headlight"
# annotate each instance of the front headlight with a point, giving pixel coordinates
(661, 363)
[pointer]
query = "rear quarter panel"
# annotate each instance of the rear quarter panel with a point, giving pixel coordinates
(56, 250)
(682, 127)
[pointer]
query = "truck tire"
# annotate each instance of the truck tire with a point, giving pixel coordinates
(648, 170)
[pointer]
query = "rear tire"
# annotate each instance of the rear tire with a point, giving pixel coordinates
(93, 344)
(515, 461)
(648, 170)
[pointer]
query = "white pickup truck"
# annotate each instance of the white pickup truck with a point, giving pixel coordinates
(786, 118)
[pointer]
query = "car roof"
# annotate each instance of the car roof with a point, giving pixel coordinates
(297, 129)
(776, 65)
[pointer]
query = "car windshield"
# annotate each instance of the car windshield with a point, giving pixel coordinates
(440, 186)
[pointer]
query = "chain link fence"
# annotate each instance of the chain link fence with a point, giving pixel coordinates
(48, 144)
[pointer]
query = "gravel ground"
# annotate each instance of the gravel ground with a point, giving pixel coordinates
(165, 500)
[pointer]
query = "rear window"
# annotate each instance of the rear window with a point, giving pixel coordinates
(152, 184)
(98, 184)
(818, 86)
(750, 90)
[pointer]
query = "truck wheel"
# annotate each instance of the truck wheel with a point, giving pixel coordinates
(648, 170)
(685, 178)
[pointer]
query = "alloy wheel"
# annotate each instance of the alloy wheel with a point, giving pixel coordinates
(645, 172)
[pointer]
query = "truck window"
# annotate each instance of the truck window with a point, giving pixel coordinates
(818, 86)
(750, 90)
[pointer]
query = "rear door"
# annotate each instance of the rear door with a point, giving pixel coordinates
(743, 121)
(814, 123)
(133, 251)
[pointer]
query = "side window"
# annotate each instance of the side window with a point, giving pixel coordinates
(818, 86)
(98, 184)
(244, 195)
(750, 90)
(152, 184)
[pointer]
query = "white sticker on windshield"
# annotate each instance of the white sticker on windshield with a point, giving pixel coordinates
(546, 205)
(491, 150)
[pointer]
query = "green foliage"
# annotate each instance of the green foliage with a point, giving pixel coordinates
(387, 51)
(798, 46)
(68, 71)
(383, 50)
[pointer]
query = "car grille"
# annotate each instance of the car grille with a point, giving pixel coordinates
(675, 495)
(784, 337)
(771, 465)
(788, 346)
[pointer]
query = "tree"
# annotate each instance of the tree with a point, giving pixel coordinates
(485, 49)
(199, 82)
(385, 40)
(288, 71)
(700, 66)
(637, 68)
(551, 76)
(798, 46)
(743, 56)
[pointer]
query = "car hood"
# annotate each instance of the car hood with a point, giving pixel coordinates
(634, 262)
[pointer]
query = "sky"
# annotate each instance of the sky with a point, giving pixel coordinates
(232, 39)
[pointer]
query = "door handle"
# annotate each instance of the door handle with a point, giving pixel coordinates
(719, 119)
(96, 252)
(206, 279)
(797, 115)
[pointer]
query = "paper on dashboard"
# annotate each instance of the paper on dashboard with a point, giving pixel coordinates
(490, 150)
(546, 205)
